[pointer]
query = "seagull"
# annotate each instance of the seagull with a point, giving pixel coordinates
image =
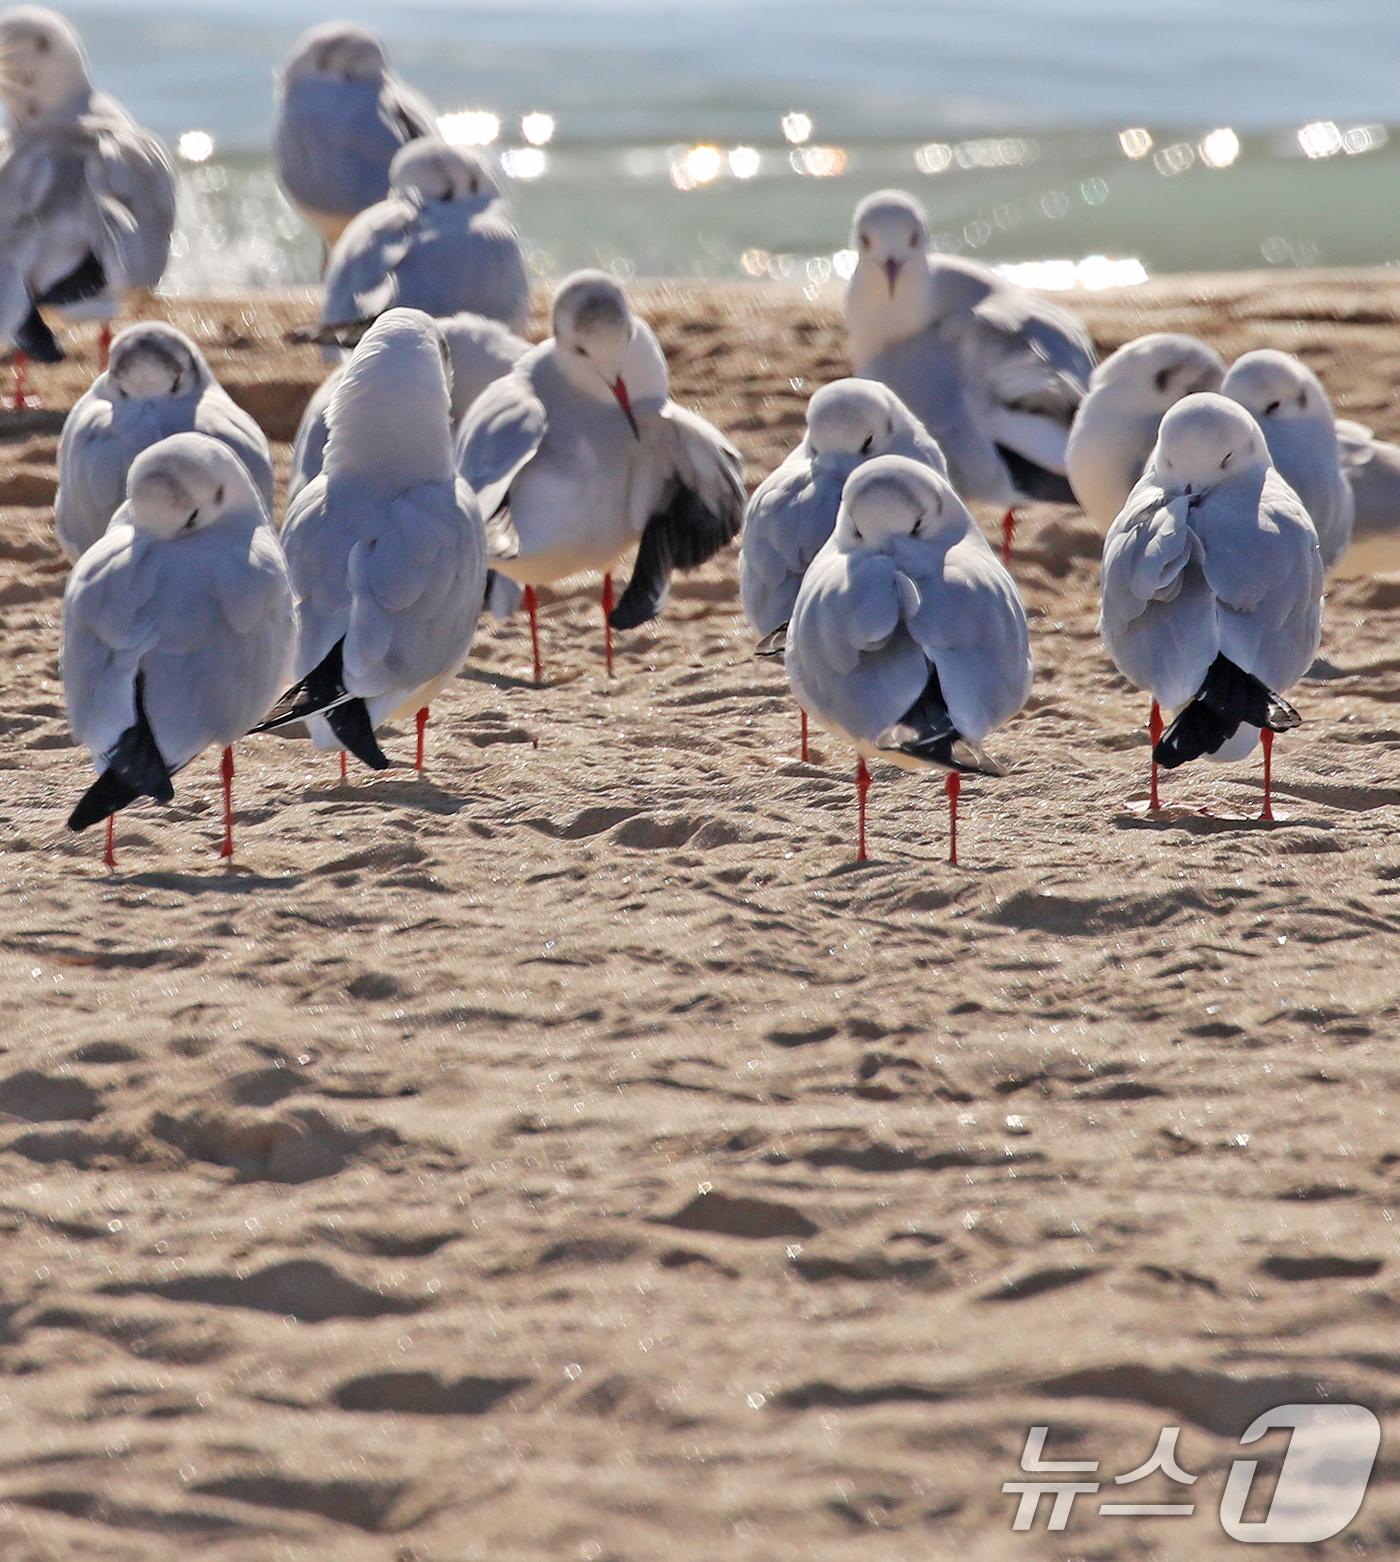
(386, 548)
(792, 512)
(1116, 425)
(157, 383)
(583, 448)
(1212, 588)
(992, 371)
(908, 639)
(1372, 468)
(178, 627)
(87, 198)
(342, 115)
(442, 241)
(1288, 402)
(480, 350)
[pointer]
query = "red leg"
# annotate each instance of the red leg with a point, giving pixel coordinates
(21, 400)
(1268, 740)
(422, 722)
(342, 765)
(952, 786)
(226, 770)
(532, 607)
(110, 855)
(804, 737)
(1008, 531)
(607, 613)
(1154, 732)
(862, 787)
(104, 344)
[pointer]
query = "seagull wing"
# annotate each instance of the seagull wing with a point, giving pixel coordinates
(788, 519)
(502, 430)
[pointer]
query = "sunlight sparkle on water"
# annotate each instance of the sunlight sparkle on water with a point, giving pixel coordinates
(538, 129)
(797, 128)
(1135, 143)
(1220, 148)
(469, 127)
(524, 162)
(195, 146)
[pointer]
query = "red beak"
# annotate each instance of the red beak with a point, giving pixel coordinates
(892, 272)
(625, 402)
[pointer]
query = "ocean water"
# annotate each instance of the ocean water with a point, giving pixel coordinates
(1097, 140)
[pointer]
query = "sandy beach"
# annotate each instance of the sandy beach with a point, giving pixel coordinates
(573, 1154)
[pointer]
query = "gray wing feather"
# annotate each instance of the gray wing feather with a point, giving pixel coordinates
(789, 518)
(501, 432)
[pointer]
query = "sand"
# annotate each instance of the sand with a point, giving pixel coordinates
(573, 1154)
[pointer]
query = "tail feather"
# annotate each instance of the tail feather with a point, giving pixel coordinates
(135, 768)
(926, 731)
(350, 723)
(1229, 698)
(321, 689)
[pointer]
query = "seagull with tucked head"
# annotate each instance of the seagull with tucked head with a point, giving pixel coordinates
(443, 240)
(1212, 588)
(157, 383)
(908, 639)
(87, 198)
(342, 115)
(1116, 425)
(178, 627)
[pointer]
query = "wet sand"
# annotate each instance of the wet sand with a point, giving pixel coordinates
(573, 1154)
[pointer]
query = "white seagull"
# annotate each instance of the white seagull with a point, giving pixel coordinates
(342, 115)
(386, 548)
(480, 350)
(994, 372)
(1212, 588)
(1116, 425)
(178, 627)
(1288, 402)
(908, 639)
(792, 511)
(87, 198)
(582, 447)
(157, 383)
(443, 241)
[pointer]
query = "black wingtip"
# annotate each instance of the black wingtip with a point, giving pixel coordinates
(774, 643)
(86, 280)
(350, 723)
(322, 688)
(36, 341)
(109, 794)
(926, 732)
(1034, 481)
(1228, 698)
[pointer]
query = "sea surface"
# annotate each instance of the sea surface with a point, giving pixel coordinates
(1089, 140)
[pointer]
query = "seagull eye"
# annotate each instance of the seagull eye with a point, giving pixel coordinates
(869, 444)
(1272, 408)
(1302, 398)
(581, 351)
(190, 519)
(865, 241)
(856, 530)
(1160, 378)
(219, 494)
(918, 527)
(1226, 461)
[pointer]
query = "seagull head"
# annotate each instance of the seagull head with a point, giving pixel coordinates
(891, 498)
(1204, 440)
(888, 230)
(42, 65)
(850, 418)
(1155, 372)
(602, 348)
(1276, 388)
(185, 484)
(152, 361)
(336, 51)
(430, 170)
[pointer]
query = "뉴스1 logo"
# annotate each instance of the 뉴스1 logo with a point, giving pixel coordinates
(1319, 1490)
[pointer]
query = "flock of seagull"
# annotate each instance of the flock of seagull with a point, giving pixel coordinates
(446, 467)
